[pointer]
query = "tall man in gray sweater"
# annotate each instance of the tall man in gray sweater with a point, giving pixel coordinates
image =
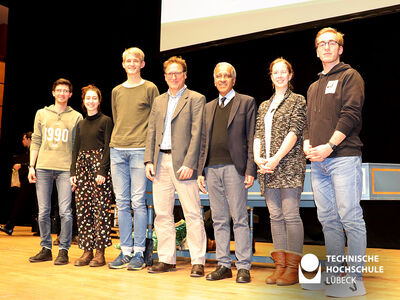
(131, 104)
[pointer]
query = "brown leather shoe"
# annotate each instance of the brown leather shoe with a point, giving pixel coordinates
(161, 267)
(243, 276)
(98, 259)
(85, 259)
(280, 266)
(197, 270)
(220, 273)
(291, 275)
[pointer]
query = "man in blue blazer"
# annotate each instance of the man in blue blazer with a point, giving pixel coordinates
(226, 157)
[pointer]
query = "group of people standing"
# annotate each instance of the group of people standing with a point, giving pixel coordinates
(183, 144)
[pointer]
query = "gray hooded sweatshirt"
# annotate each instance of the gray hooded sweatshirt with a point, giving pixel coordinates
(53, 136)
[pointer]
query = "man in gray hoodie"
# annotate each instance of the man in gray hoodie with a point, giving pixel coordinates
(50, 159)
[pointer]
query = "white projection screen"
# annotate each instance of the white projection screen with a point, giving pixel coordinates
(190, 22)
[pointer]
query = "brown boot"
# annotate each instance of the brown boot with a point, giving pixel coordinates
(280, 266)
(291, 275)
(98, 259)
(85, 259)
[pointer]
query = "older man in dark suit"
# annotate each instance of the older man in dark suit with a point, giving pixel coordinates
(171, 158)
(226, 156)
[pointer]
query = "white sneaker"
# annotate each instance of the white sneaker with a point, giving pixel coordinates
(346, 287)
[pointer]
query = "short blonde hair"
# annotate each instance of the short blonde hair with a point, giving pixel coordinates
(135, 52)
(339, 35)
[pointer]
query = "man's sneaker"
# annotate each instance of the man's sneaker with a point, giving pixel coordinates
(120, 262)
(6, 230)
(346, 286)
(43, 255)
(137, 262)
(62, 258)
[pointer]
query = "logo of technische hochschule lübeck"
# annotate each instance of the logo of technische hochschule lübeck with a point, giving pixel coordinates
(310, 263)
(342, 264)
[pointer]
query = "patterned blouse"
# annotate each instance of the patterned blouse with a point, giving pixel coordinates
(289, 116)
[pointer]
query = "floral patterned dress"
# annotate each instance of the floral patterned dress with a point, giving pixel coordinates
(93, 201)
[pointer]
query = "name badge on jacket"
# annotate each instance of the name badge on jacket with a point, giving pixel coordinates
(331, 87)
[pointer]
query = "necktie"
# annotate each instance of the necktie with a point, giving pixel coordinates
(222, 102)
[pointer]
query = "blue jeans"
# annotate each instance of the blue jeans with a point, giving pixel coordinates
(227, 193)
(44, 188)
(337, 187)
(129, 182)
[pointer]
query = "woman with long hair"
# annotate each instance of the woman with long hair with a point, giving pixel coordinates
(278, 153)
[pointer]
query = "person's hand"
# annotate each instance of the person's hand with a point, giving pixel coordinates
(16, 167)
(264, 168)
(201, 182)
(72, 180)
(248, 181)
(306, 147)
(32, 175)
(149, 171)
(260, 161)
(319, 153)
(100, 179)
(185, 173)
(271, 164)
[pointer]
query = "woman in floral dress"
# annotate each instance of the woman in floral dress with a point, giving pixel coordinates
(90, 177)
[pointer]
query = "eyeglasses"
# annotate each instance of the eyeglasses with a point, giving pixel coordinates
(61, 91)
(330, 43)
(172, 74)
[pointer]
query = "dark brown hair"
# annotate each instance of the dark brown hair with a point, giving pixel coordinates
(63, 82)
(90, 87)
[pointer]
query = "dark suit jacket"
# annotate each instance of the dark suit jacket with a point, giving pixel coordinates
(185, 130)
(240, 128)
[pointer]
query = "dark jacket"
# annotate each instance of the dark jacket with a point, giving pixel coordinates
(240, 131)
(334, 102)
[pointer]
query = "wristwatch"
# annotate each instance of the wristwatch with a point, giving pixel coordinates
(332, 145)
